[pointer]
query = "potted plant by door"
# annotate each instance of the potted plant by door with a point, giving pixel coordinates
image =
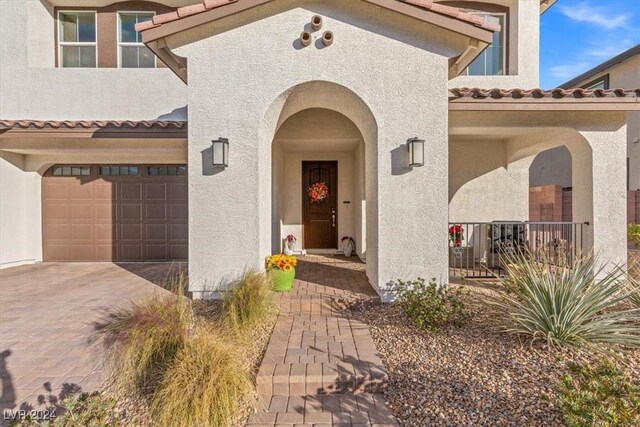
(290, 244)
(348, 245)
(282, 271)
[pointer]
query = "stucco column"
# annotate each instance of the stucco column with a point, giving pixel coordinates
(599, 192)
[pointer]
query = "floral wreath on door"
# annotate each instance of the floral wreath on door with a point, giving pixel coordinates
(317, 192)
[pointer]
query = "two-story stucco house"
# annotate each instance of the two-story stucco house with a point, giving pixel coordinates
(136, 131)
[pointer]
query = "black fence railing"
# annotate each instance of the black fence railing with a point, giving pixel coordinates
(479, 249)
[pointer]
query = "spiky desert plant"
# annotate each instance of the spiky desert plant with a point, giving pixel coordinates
(248, 302)
(566, 306)
(142, 337)
(205, 384)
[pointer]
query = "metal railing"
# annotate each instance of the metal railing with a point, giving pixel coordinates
(478, 249)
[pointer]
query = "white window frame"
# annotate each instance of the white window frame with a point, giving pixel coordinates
(503, 33)
(61, 43)
(125, 44)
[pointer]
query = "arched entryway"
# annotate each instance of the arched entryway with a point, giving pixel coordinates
(321, 126)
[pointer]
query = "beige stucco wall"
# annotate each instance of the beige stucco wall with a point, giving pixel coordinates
(523, 49)
(32, 88)
(483, 185)
(20, 225)
(267, 76)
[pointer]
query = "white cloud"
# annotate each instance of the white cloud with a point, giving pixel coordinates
(585, 12)
(608, 52)
(567, 71)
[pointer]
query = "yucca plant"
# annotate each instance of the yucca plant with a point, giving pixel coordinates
(248, 302)
(574, 307)
(204, 386)
(143, 337)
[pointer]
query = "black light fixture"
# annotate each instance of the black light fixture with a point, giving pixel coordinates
(220, 152)
(416, 152)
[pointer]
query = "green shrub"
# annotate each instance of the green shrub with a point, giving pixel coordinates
(431, 305)
(204, 385)
(566, 306)
(633, 234)
(248, 302)
(143, 337)
(600, 395)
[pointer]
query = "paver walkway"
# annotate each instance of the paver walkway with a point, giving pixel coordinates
(321, 367)
(46, 322)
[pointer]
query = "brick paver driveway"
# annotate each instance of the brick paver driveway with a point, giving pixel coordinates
(46, 322)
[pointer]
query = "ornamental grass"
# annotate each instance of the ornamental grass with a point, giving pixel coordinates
(575, 307)
(249, 302)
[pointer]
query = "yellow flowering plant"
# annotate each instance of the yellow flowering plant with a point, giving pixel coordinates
(280, 262)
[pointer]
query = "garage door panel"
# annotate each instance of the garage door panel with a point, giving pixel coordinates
(178, 191)
(105, 252)
(81, 192)
(55, 191)
(104, 191)
(57, 231)
(156, 252)
(129, 211)
(82, 232)
(130, 191)
(55, 211)
(156, 232)
(130, 232)
(105, 231)
(178, 211)
(105, 211)
(115, 217)
(82, 251)
(81, 211)
(155, 191)
(179, 251)
(155, 211)
(178, 232)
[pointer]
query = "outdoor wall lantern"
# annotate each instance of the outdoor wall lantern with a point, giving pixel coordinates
(220, 152)
(416, 152)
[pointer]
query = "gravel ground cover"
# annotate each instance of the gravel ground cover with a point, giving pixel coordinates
(634, 263)
(468, 375)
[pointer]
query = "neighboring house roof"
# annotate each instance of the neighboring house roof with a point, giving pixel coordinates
(540, 99)
(155, 31)
(545, 5)
(171, 129)
(602, 67)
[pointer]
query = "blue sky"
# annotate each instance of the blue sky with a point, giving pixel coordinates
(576, 35)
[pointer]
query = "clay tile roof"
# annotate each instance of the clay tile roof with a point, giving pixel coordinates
(478, 93)
(91, 124)
(441, 9)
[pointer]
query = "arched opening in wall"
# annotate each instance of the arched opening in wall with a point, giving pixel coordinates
(320, 132)
(319, 173)
(491, 200)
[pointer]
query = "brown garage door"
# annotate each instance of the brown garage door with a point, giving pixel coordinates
(115, 213)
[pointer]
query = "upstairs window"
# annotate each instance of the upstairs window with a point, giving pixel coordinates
(77, 35)
(492, 61)
(132, 53)
(601, 83)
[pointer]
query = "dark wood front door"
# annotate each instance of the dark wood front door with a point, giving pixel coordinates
(320, 218)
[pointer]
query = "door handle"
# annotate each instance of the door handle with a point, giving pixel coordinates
(333, 217)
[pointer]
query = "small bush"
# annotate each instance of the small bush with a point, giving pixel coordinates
(85, 410)
(204, 385)
(142, 338)
(633, 234)
(566, 306)
(249, 302)
(431, 305)
(601, 395)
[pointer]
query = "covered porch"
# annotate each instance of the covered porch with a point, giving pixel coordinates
(494, 137)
